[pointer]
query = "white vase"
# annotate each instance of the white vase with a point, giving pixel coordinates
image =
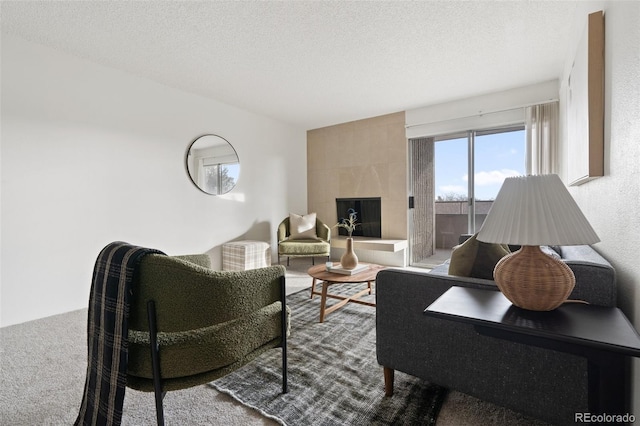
(349, 260)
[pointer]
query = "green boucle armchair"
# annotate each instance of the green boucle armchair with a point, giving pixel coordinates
(318, 247)
(208, 322)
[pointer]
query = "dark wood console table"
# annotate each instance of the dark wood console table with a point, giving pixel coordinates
(601, 334)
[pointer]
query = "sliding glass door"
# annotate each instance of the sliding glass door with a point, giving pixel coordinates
(498, 154)
(451, 189)
(467, 169)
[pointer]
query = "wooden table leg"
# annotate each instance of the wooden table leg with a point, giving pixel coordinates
(323, 300)
(353, 298)
(313, 286)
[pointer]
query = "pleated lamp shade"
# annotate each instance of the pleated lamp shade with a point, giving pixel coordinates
(532, 211)
(536, 210)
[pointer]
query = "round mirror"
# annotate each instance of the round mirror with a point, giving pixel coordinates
(213, 164)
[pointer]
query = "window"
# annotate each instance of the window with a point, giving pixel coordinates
(469, 170)
(219, 178)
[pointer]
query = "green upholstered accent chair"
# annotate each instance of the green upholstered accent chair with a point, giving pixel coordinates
(320, 247)
(206, 323)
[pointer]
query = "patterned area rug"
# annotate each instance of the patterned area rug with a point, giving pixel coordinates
(334, 378)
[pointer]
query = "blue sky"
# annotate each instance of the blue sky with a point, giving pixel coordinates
(497, 157)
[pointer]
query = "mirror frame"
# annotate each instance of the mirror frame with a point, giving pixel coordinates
(189, 166)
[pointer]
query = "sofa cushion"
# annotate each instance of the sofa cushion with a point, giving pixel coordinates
(476, 259)
(550, 251)
(302, 227)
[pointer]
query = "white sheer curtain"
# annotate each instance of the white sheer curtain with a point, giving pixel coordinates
(542, 138)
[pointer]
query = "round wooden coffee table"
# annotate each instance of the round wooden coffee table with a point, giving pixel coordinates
(319, 272)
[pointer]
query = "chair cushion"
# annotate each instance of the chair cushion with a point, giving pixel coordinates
(304, 248)
(476, 259)
(302, 227)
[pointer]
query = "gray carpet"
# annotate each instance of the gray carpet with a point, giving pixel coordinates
(334, 378)
(43, 365)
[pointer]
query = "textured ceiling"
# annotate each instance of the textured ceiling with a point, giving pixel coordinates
(312, 63)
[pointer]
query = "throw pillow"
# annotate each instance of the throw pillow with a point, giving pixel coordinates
(476, 259)
(302, 227)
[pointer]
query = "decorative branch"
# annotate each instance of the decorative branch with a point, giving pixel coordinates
(348, 224)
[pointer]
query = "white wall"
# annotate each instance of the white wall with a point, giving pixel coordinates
(92, 155)
(612, 203)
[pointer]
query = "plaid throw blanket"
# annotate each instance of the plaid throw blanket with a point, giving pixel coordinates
(107, 334)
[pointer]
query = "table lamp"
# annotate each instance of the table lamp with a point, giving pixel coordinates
(531, 211)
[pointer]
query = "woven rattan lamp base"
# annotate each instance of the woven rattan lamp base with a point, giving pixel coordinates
(533, 280)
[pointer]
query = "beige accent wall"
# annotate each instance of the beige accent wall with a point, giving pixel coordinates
(364, 158)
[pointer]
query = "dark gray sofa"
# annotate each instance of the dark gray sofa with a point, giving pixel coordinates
(542, 383)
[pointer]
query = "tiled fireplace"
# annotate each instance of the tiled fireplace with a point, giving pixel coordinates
(362, 159)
